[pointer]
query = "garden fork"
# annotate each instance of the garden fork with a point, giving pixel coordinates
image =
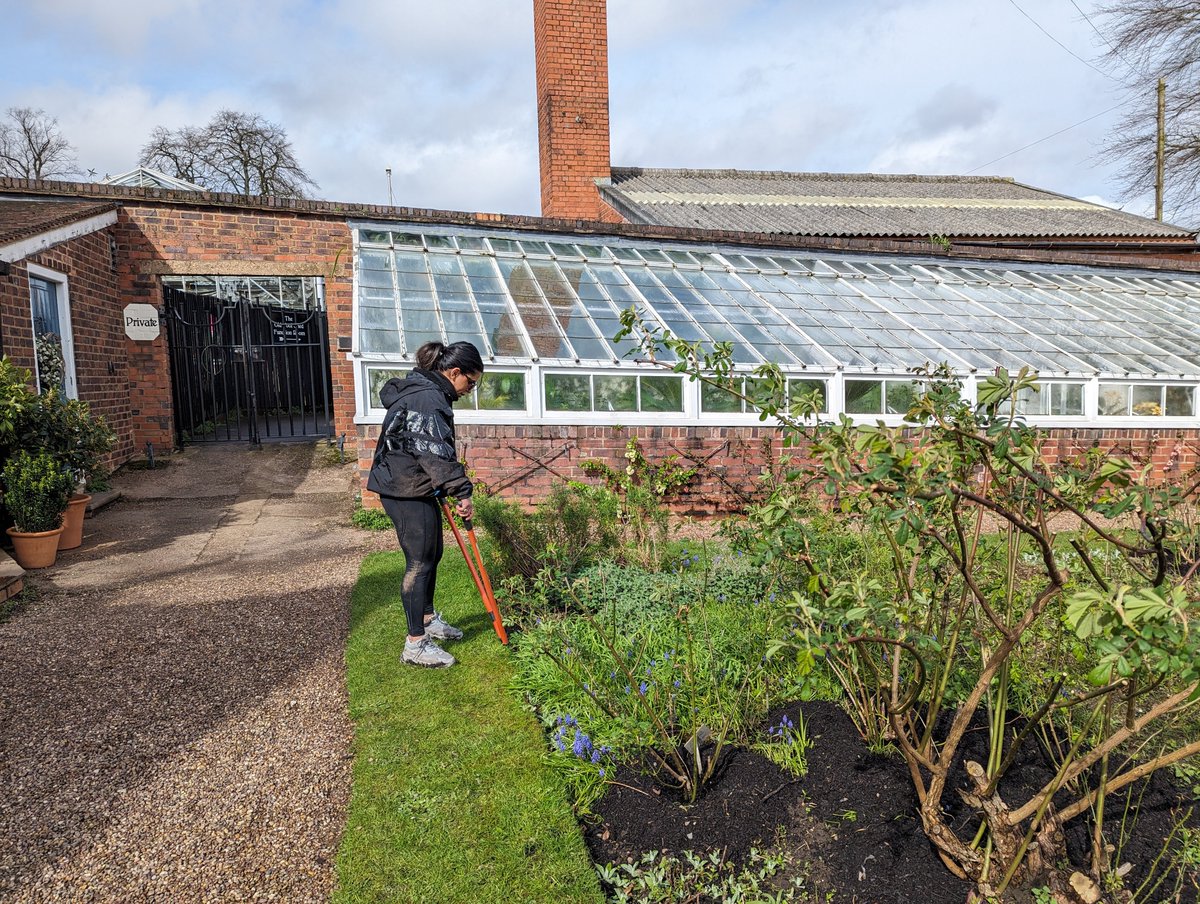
(478, 572)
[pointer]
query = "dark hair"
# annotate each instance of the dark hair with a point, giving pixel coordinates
(463, 355)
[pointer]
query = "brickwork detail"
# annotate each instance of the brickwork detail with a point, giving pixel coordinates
(150, 235)
(571, 46)
(731, 460)
(101, 353)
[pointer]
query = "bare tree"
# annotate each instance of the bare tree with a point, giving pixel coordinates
(1148, 40)
(237, 152)
(32, 147)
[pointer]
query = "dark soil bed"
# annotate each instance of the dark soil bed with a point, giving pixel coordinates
(850, 823)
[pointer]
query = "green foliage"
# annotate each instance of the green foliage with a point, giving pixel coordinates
(371, 519)
(667, 878)
(36, 490)
(15, 398)
(67, 429)
(669, 691)
(640, 489)
(568, 531)
(960, 621)
(787, 744)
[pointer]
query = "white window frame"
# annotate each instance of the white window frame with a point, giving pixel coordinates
(63, 299)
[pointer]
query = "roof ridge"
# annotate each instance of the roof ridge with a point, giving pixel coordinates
(632, 171)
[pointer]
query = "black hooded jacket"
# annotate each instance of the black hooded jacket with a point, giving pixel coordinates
(415, 455)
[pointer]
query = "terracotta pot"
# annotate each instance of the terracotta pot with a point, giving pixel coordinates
(35, 550)
(72, 535)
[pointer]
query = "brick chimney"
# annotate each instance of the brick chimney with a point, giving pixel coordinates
(571, 41)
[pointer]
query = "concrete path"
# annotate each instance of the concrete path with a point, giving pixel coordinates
(173, 718)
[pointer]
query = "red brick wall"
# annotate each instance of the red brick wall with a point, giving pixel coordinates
(101, 354)
(731, 460)
(571, 45)
(154, 239)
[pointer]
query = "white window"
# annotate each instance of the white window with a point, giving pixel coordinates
(613, 393)
(882, 396)
(54, 347)
(1052, 399)
(1146, 400)
(497, 390)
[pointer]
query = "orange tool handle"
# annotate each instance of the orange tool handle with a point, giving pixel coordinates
(478, 572)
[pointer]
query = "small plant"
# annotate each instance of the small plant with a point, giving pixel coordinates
(787, 745)
(36, 490)
(1043, 895)
(665, 878)
(371, 519)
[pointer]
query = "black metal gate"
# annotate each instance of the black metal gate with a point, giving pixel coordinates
(248, 369)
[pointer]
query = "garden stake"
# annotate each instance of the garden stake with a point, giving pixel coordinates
(478, 572)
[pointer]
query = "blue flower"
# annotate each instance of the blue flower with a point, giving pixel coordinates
(642, 688)
(628, 689)
(678, 683)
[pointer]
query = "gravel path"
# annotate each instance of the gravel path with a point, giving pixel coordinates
(173, 718)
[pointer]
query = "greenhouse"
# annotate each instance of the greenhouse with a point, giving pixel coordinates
(1113, 347)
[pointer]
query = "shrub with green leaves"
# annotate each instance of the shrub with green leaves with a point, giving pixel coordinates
(36, 490)
(953, 619)
(569, 530)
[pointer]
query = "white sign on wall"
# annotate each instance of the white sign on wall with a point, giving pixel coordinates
(141, 322)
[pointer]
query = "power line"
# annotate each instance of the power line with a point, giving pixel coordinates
(1058, 42)
(1040, 140)
(1103, 36)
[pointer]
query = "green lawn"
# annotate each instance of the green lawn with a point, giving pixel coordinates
(452, 799)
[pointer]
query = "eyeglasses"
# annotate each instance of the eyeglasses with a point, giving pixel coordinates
(472, 382)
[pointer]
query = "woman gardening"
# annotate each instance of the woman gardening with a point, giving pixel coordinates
(415, 467)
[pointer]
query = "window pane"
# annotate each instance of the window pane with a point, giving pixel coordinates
(900, 395)
(376, 378)
(662, 393)
(1114, 399)
(567, 392)
(798, 388)
(717, 399)
(1147, 401)
(499, 391)
(616, 393)
(1066, 398)
(1181, 401)
(864, 396)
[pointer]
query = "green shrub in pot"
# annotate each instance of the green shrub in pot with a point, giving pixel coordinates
(67, 429)
(36, 490)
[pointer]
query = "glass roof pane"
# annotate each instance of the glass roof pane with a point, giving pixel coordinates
(884, 312)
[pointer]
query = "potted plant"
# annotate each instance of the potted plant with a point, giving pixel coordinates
(36, 489)
(79, 440)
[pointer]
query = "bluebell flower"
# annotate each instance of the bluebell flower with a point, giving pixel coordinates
(678, 683)
(628, 689)
(642, 688)
(602, 772)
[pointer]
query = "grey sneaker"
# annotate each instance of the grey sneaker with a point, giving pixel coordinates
(425, 652)
(440, 629)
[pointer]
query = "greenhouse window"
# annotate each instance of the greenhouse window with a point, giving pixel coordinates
(882, 396)
(1054, 399)
(497, 390)
(613, 393)
(1146, 400)
(720, 400)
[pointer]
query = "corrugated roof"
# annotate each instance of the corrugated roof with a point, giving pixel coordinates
(20, 219)
(833, 204)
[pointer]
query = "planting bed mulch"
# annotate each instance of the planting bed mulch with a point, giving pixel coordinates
(850, 822)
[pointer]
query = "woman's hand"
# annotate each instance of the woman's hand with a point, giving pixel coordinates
(465, 509)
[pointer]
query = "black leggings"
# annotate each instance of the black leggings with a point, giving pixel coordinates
(419, 530)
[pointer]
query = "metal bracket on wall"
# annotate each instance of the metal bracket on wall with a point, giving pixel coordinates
(703, 465)
(538, 463)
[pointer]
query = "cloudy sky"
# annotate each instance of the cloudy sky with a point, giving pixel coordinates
(442, 91)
